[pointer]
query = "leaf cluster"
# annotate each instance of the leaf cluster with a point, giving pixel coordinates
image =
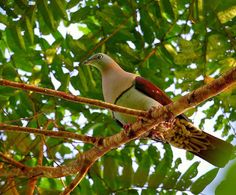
(179, 43)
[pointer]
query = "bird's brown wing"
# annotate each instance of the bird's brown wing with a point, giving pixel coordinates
(151, 90)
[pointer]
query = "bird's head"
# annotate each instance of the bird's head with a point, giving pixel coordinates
(100, 61)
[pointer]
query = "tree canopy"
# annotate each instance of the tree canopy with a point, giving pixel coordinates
(179, 45)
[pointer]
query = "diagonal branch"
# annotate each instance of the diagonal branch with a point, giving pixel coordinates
(85, 160)
(12, 161)
(158, 115)
(203, 93)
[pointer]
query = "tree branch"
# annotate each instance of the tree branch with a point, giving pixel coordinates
(33, 180)
(203, 93)
(60, 134)
(12, 161)
(86, 159)
(158, 115)
(73, 98)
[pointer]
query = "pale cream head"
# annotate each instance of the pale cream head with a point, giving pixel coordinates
(100, 61)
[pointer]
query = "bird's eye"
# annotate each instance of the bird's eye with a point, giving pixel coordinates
(99, 57)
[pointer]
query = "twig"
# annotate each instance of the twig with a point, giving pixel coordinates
(116, 30)
(61, 134)
(86, 159)
(162, 114)
(13, 162)
(33, 181)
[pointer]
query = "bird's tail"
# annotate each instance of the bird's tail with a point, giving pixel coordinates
(186, 136)
(217, 153)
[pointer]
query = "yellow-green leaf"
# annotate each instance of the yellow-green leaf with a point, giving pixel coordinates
(227, 15)
(29, 29)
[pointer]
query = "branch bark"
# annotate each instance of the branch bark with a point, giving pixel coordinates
(59, 134)
(72, 98)
(85, 160)
(12, 161)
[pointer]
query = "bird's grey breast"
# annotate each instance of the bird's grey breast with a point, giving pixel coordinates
(114, 83)
(133, 98)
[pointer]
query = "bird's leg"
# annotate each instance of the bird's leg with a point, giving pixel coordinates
(161, 132)
(156, 135)
(162, 127)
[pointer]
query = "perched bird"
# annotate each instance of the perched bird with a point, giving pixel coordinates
(129, 90)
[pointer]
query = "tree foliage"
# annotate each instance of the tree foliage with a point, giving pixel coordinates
(178, 43)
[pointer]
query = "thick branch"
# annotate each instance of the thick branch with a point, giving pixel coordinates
(162, 114)
(85, 160)
(203, 93)
(73, 98)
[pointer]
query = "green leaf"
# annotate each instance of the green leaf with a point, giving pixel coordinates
(227, 15)
(145, 24)
(49, 184)
(4, 19)
(168, 156)
(72, 3)
(81, 14)
(127, 174)
(227, 186)
(110, 172)
(60, 7)
(7, 91)
(46, 13)
(185, 180)
(3, 99)
(189, 155)
(64, 150)
(29, 30)
(15, 38)
(232, 101)
(199, 185)
(83, 79)
(31, 162)
(9, 72)
(141, 174)
(171, 178)
(161, 171)
(216, 47)
(85, 187)
(156, 178)
(167, 11)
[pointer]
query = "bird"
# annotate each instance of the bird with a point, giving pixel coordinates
(133, 91)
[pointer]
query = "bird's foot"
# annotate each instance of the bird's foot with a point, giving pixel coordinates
(163, 112)
(157, 136)
(162, 132)
(166, 125)
(127, 126)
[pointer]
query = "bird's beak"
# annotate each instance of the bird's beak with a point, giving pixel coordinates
(85, 62)
(88, 61)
